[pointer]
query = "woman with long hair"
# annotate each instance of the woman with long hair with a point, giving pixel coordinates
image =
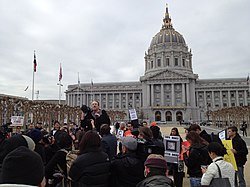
(198, 156)
(92, 166)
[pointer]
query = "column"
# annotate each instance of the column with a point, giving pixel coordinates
(147, 97)
(107, 101)
(188, 94)
(237, 98)
(74, 100)
(100, 99)
(152, 95)
(212, 99)
(134, 103)
(205, 99)
(221, 100)
(245, 98)
(183, 94)
(120, 101)
(162, 94)
(229, 99)
(113, 103)
(197, 98)
(126, 100)
(172, 95)
(172, 59)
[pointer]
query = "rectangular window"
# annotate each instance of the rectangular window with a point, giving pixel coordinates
(224, 104)
(152, 64)
(167, 62)
(183, 62)
(176, 61)
(159, 62)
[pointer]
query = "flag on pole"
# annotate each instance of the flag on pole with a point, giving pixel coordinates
(60, 73)
(26, 88)
(92, 82)
(248, 79)
(34, 61)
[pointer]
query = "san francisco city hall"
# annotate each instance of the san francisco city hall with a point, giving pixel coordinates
(168, 91)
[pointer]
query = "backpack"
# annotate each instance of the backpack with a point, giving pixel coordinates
(70, 158)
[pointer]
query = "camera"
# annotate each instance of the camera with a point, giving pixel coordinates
(4, 130)
(85, 109)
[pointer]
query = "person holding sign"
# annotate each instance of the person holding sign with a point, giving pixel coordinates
(240, 153)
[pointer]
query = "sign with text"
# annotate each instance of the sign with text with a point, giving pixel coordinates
(17, 121)
(133, 115)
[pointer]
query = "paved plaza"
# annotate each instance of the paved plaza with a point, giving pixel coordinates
(166, 131)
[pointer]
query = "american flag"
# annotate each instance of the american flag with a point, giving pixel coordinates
(248, 79)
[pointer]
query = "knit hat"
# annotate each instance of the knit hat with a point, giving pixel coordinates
(31, 144)
(22, 166)
(153, 123)
(129, 142)
(35, 135)
(156, 161)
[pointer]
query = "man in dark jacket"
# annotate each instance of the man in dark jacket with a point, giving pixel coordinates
(108, 141)
(127, 169)
(95, 114)
(155, 171)
(240, 153)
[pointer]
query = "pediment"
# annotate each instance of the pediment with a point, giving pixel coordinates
(167, 74)
(76, 89)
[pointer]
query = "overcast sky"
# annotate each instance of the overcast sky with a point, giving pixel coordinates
(105, 40)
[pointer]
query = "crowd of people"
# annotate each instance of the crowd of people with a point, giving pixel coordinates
(132, 155)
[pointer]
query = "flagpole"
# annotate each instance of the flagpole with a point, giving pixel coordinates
(33, 80)
(78, 102)
(91, 91)
(59, 84)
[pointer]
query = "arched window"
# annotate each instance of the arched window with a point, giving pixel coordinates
(157, 116)
(168, 116)
(179, 116)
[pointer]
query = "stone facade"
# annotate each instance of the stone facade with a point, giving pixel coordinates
(168, 91)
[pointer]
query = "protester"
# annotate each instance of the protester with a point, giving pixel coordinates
(22, 167)
(56, 128)
(244, 128)
(108, 141)
(197, 156)
(95, 113)
(240, 153)
(216, 152)
(127, 168)
(36, 136)
(155, 172)
(158, 139)
(57, 164)
(177, 169)
(12, 143)
(92, 166)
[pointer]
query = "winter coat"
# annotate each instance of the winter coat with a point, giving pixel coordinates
(240, 146)
(157, 180)
(227, 171)
(59, 158)
(127, 170)
(109, 145)
(92, 168)
(102, 119)
(15, 185)
(197, 153)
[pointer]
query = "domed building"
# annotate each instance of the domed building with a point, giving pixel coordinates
(168, 91)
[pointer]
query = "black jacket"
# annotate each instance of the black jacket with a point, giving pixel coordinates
(240, 146)
(127, 170)
(102, 119)
(195, 159)
(92, 168)
(157, 180)
(109, 145)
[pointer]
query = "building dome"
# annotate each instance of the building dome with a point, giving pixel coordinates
(167, 34)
